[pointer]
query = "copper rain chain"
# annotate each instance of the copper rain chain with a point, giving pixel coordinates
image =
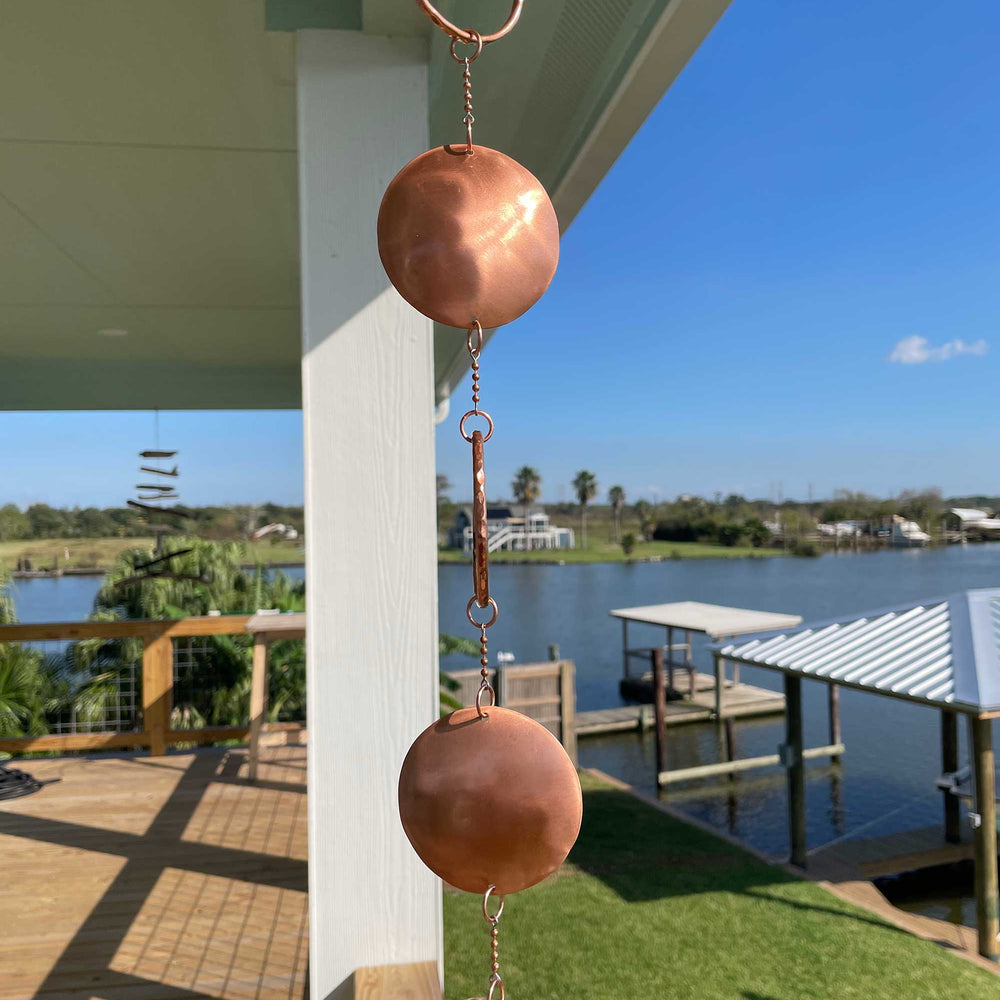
(488, 797)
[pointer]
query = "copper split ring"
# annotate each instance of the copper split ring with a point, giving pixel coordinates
(468, 613)
(476, 413)
(492, 919)
(477, 329)
(476, 40)
(467, 35)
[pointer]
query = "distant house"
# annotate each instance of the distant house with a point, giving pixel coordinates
(506, 531)
(284, 531)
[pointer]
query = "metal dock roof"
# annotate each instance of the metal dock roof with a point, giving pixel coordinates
(715, 620)
(943, 652)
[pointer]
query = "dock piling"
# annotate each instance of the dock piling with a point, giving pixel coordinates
(949, 765)
(659, 710)
(795, 769)
(987, 895)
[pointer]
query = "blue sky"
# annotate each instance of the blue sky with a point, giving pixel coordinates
(816, 194)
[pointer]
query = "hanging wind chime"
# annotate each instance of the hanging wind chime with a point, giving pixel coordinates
(488, 798)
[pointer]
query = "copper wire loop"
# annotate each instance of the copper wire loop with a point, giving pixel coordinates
(476, 413)
(465, 35)
(483, 689)
(468, 613)
(475, 39)
(477, 329)
(491, 918)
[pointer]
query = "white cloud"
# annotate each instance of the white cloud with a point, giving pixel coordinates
(916, 350)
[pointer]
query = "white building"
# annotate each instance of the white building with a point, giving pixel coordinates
(507, 532)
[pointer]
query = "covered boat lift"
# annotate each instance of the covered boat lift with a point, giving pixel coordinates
(944, 653)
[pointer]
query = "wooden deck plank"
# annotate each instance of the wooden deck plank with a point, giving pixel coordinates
(157, 879)
(741, 701)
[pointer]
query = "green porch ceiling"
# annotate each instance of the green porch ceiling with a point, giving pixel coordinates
(148, 174)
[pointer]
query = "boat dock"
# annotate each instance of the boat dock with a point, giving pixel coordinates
(741, 701)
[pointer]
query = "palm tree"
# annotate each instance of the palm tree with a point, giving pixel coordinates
(642, 510)
(526, 487)
(585, 485)
(616, 497)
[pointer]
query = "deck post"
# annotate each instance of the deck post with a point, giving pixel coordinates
(670, 655)
(371, 568)
(659, 713)
(625, 673)
(949, 765)
(258, 700)
(157, 686)
(987, 902)
(795, 770)
(720, 682)
(833, 705)
(567, 707)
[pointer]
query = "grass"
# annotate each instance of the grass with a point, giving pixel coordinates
(100, 553)
(648, 906)
(604, 551)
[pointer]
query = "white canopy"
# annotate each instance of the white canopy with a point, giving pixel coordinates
(715, 620)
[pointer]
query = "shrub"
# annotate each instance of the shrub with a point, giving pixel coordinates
(628, 543)
(805, 547)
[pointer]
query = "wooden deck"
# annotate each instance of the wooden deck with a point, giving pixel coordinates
(846, 868)
(740, 701)
(168, 878)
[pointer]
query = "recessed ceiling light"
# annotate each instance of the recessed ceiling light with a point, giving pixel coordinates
(112, 333)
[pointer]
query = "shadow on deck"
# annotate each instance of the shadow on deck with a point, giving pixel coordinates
(166, 878)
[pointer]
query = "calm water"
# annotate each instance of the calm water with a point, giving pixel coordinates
(886, 780)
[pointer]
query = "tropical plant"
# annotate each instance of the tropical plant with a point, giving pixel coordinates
(448, 645)
(642, 512)
(628, 543)
(526, 487)
(616, 497)
(585, 487)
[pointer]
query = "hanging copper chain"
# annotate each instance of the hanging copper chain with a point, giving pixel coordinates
(493, 919)
(480, 530)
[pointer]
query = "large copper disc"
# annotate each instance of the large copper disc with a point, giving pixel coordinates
(468, 237)
(491, 801)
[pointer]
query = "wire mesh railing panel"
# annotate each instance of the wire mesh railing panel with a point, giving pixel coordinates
(63, 687)
(212, 680)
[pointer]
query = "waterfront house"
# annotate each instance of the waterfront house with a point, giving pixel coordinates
(507, 532)
(189, 199)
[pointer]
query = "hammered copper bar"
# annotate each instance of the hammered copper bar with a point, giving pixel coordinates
(466, 237)
(480, 533)
(491, 801)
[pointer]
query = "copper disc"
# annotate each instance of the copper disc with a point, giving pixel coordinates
(468, 237)
(491, 801)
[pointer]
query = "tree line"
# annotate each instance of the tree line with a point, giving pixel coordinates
(39, 520)
(727, 520)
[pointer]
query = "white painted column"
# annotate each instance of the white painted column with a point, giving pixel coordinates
(368, 407)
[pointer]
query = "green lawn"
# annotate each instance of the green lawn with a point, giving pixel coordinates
(648, 906)
(603, 551)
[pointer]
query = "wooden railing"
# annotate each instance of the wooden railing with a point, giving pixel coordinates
(546, 692)
(158, 679)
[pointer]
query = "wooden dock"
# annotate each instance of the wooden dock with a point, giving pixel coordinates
(168, 878)
(741, 701)
(846, 869)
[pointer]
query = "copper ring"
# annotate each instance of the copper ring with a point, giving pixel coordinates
(494, 983)
(476, 413)
(463, 35)
(468, 613)
(483, 688)
(476, 39)
(478, 328)
(486, 913)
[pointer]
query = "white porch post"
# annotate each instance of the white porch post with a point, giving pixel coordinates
(367, 372)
